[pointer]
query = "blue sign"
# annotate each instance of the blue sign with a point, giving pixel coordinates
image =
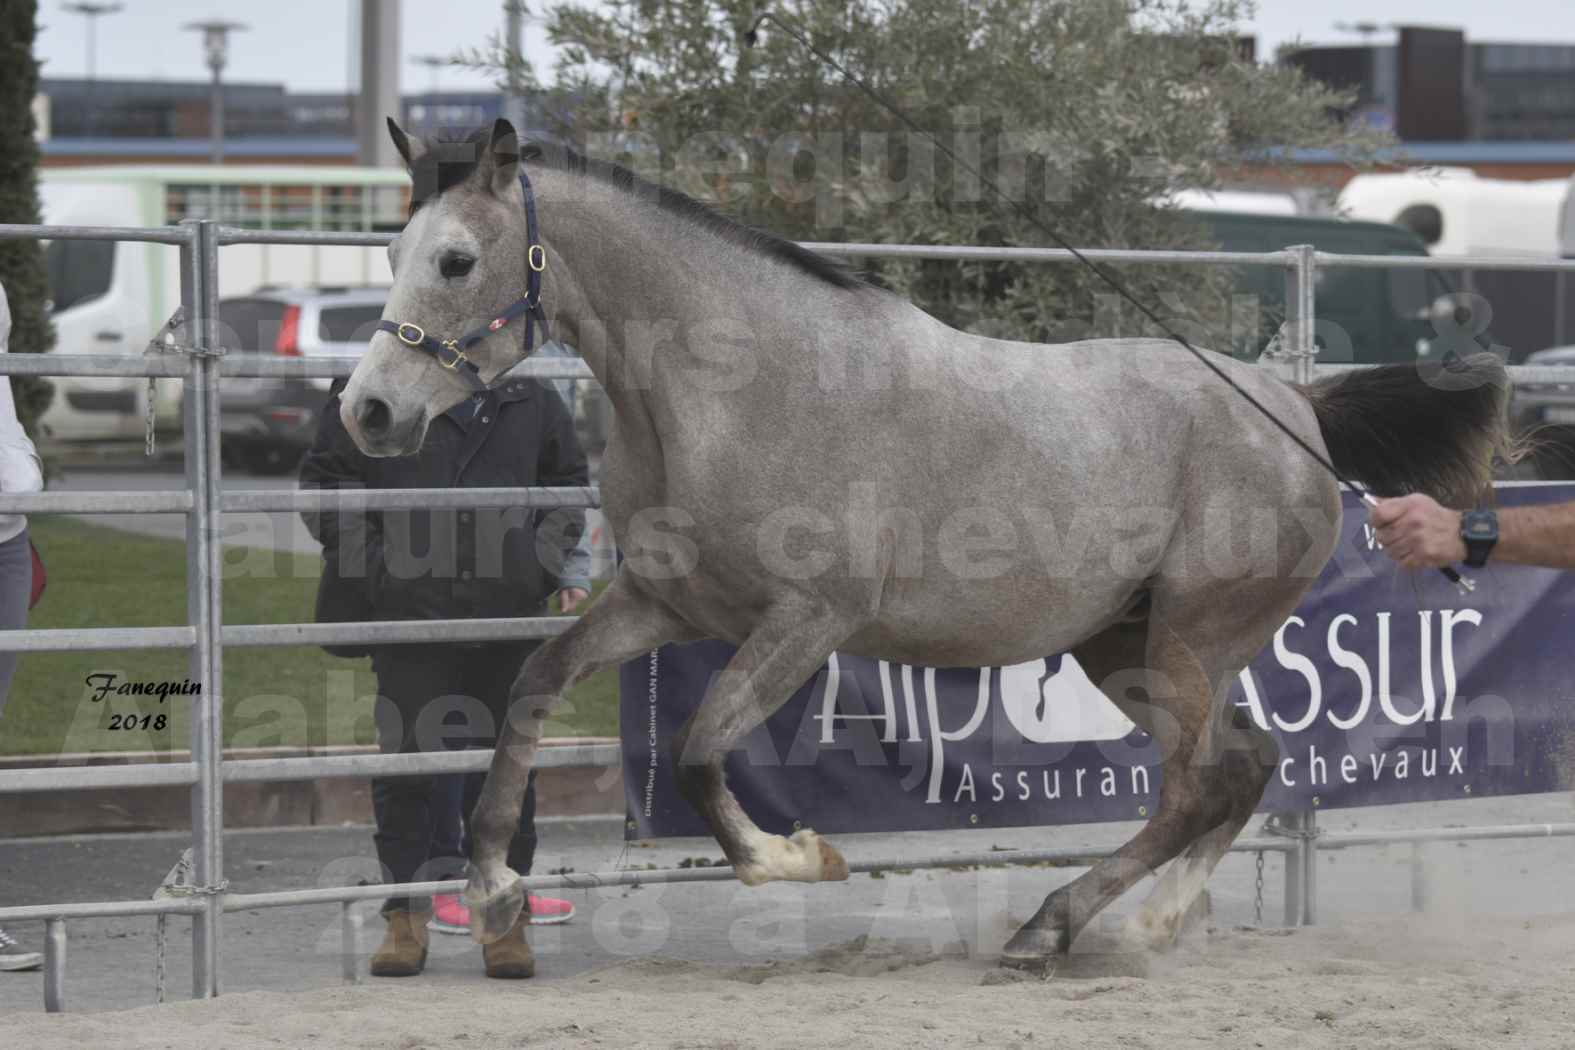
(1384, 687)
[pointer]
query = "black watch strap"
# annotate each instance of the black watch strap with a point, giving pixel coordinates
(1479, 532)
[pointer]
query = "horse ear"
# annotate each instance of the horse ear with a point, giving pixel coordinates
(410, 149)
(505, 150)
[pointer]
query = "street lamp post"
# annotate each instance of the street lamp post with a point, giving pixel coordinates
(1365, 29)
(514, 48)
(216, 44)
(92, 12)
(435, 64)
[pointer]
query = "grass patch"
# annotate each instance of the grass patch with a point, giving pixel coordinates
(295, 696)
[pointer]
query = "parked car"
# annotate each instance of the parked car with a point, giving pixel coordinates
(109, 297)
(1384, 316)
(1547, 411)
(268, 424)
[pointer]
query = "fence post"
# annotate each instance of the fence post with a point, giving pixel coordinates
(1295, 871)
(349, 941)
(1418, 878)
(1301, 311)
(1309, 859)
(54, 966)
(199, 296)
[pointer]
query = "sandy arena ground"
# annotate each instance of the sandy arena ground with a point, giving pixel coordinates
(1384, 983)
(900, 962)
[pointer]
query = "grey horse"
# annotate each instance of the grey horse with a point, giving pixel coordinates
(802, 463)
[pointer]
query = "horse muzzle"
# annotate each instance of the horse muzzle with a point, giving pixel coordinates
(379, 430)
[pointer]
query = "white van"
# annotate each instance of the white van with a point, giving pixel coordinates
(1457, 212)
(110, 298)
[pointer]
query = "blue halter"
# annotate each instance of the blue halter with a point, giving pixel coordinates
(450, 353)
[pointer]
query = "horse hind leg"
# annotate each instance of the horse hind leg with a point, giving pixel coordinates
(1247, 759)
(770, 666)
(1175, 711)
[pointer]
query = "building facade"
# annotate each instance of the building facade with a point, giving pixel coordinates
(1432, 85)
(146, 121)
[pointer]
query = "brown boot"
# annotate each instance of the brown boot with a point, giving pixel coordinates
(403, 952)
(510, 956)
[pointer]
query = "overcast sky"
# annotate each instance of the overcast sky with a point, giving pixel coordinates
(306, 43)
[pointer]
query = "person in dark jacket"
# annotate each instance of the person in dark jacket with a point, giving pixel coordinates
(448, 564)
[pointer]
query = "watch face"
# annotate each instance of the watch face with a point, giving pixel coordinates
(1479, 525)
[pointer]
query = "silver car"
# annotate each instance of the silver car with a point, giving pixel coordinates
(268, 424)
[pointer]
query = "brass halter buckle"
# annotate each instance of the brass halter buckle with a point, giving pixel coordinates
(455, 361)
(408, 339)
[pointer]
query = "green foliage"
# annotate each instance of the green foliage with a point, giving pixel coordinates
(22, 271)
(1088, 109)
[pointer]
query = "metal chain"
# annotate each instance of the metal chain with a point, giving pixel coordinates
(179, 875)
(178, 882)
(218, 889)
(163, 342)
(161, 934)
(149, 447)
(166, 341)
(1257, 900)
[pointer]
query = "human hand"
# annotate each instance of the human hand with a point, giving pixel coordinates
(570, 597)
(1418, 533)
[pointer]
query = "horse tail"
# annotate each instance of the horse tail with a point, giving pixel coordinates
(1431, 428)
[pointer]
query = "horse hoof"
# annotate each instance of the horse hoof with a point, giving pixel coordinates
(802, 857)
(1032, 948)
(833, 868)
(1143, 934)
(495, 905)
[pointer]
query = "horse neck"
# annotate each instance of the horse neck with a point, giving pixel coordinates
(632, 287)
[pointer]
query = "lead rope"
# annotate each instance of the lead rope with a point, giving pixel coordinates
(751, 38)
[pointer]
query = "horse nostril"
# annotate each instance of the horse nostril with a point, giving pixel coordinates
(374, 416)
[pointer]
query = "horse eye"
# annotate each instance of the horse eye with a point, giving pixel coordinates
(454, 264)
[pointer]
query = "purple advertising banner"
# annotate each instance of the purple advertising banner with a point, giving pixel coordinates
(1384, 687)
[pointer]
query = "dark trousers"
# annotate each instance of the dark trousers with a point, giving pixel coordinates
(437, 698)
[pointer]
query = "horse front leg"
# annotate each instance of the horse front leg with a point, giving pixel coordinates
(622, 624)
(788, 646)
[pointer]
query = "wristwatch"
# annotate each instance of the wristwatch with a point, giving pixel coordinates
(1479, 531)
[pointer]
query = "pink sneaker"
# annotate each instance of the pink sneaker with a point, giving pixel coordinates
(450, 915)
(549, 911)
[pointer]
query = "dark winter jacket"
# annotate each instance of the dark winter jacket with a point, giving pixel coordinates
(449, 564)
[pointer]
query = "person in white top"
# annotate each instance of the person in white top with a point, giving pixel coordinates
(20, 471)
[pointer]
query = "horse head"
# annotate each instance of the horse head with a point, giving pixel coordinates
(462, 267)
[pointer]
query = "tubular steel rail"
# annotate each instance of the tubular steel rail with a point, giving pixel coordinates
(201, 366)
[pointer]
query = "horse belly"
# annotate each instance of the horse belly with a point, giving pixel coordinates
(1009, 622)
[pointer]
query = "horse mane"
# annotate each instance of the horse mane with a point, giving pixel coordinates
(450, 160)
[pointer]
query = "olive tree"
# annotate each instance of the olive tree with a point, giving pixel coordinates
(22, 270)
(1090, 112)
